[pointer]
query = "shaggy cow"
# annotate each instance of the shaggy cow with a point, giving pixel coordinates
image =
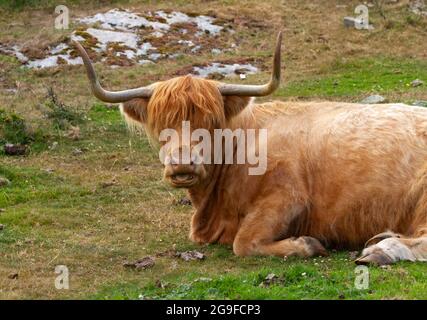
(339, 175)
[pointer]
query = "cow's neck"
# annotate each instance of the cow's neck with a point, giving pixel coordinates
(216, 219)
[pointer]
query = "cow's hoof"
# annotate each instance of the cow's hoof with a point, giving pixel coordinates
(376, 258)
(380, 237)
(387, 251)
(312, 246)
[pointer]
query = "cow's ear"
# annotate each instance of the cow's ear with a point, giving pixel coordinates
(233, 105)
(136, 109)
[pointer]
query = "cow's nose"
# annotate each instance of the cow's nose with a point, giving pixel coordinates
(184, 156)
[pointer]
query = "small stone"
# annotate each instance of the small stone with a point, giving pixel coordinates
(215, 51)
(77, 152)
(417, 83)
(15, 149)
(374, 99)
(184, 201)
(54, 145)
(141, 264)
(4, 182)
(418, 7)
(191, 255)
(242, 76)
(241, 71)
(1, 227)
(13, 276)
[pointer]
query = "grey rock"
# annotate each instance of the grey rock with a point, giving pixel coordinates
(417, 83)
(418, 7)
(4, 182)
(15, 149)
(374, 99)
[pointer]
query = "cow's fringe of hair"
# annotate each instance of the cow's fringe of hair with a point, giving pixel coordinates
(194, 99)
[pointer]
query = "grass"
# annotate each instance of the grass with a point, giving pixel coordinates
(94, 202)
(358, 77)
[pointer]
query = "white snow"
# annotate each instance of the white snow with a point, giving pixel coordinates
(106, 36)
(225, 69)
(127, 28)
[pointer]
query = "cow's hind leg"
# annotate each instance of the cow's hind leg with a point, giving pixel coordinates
(394, 249)
(388, 247)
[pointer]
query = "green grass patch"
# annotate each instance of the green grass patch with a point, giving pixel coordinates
(360, 76)
(321, 278)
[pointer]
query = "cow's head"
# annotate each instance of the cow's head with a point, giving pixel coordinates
(203, 103)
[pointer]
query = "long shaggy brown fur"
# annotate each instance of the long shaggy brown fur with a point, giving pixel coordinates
(338, 172)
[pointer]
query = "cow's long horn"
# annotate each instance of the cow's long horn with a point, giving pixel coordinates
(101, 93)
(257, 90)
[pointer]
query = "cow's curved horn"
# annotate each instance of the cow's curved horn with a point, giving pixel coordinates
(257, 90)
(101, 93)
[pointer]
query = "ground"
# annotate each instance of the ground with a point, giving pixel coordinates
(93, 199)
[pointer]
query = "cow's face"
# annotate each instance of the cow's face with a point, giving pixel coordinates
(176, 109)
(165, 105)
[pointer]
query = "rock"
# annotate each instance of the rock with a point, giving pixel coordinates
(54, 145)
(241, 71)
(191, 255)
(215, 51)
(13, 276)
(1, 227)
(2, 210)
(420, 103)
(417, 83)
(77, 152)
(15, 149)
(418, 7)
(184, 201)
(142, 264)
(373, 99)
(270, 279)
(4, 182)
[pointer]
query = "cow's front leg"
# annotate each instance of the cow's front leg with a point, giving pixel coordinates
(261, 229)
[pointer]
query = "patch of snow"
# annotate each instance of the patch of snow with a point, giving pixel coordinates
(205, 24)
(116, 19)
(123, 27)
(226, 70)
(106, 36)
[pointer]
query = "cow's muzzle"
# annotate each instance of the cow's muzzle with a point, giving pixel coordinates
(183, 170)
